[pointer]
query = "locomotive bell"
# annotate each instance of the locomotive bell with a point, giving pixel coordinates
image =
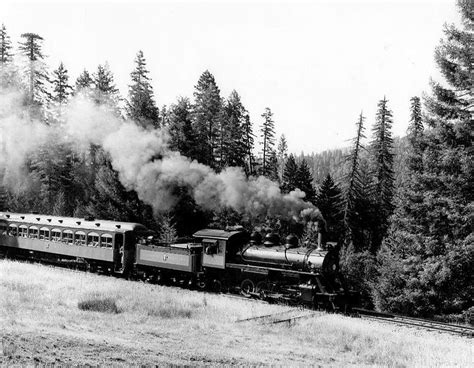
(291, 241)
(271, 239)
(256, 238)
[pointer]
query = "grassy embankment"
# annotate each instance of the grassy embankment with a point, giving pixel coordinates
(46, 316)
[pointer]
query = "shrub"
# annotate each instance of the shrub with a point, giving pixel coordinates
(169, 308)
(99, 304)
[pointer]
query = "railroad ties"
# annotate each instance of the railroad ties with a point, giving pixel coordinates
(428, 324)
(288, 317)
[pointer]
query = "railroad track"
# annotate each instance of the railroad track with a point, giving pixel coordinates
(289, 317)
(428, 324)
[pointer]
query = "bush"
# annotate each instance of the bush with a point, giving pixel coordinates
(170, 309)
(359, 269)
(99, 304)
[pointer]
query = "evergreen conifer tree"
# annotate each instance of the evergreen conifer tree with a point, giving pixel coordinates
(329, 202)
(289, 177)
(415, 135)
(248, 138)
(427, 259)
(5, 46)
(141, 105)
(84, 81)
(282, 155)
(34, 74)
(207, 114)
(354, 185)
(304, 181)
(267, 134)
(105, 92)
(382, 159)
(233, 144)
(7, 70)
(180, 128)
(61, 89)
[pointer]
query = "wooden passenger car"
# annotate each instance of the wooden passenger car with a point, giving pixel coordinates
(96, 243)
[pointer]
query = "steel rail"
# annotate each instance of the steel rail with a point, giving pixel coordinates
(426, 324)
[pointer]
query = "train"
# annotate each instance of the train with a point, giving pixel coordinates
(221, 260)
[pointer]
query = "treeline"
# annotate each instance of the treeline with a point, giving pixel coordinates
(400, 210)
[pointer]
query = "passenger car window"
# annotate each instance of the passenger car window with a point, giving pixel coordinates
(106, 240)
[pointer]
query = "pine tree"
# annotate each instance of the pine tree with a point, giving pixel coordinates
(180, 128)
(382, 153)
(415, 135)
(207, 114)
(248, 142)
(354, 186)
(267, 134)
(282, 155)
(34, 74)
(329, 202)
(426, 261)
(141, 105)
(164, 116)
(84, 81)
(168, 233)
(105, 92)
(304, 181)
(233, 146)
(61, 89)
(51, 166)
(5, 46)
(289, 177)
(7, 69)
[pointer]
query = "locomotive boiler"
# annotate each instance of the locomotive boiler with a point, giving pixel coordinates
(290, 255)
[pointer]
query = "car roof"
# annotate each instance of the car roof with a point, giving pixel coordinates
(216, 234)
(71, 222)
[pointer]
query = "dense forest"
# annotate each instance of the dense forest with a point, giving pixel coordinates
(399, 209)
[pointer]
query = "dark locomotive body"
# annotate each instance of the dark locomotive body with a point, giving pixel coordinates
(214, 259)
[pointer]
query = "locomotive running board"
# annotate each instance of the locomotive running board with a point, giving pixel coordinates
(265, 270)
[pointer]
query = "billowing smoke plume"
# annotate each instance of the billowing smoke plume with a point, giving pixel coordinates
(144, 161)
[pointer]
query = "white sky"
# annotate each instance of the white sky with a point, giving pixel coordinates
(315, 64)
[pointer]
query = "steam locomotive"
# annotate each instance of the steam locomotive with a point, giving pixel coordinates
(218, 260)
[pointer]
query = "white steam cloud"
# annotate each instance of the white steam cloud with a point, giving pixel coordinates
(143, 160)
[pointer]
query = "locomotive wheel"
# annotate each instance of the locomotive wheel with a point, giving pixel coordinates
(216, 286)
(246, 287)
(202, 284)
(262, 288)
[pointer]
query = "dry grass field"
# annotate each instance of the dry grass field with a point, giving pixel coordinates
(51, 316)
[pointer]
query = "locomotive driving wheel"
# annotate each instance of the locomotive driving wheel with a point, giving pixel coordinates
(246, 287)
(262, 288)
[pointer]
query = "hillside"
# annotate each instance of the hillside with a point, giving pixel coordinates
(333, 162)
(142, 324)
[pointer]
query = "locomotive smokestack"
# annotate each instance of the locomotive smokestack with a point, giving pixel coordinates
(256, 238)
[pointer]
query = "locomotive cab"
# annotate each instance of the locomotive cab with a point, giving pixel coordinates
(219, 246)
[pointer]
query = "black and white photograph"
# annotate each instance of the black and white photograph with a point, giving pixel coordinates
(237, 183)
